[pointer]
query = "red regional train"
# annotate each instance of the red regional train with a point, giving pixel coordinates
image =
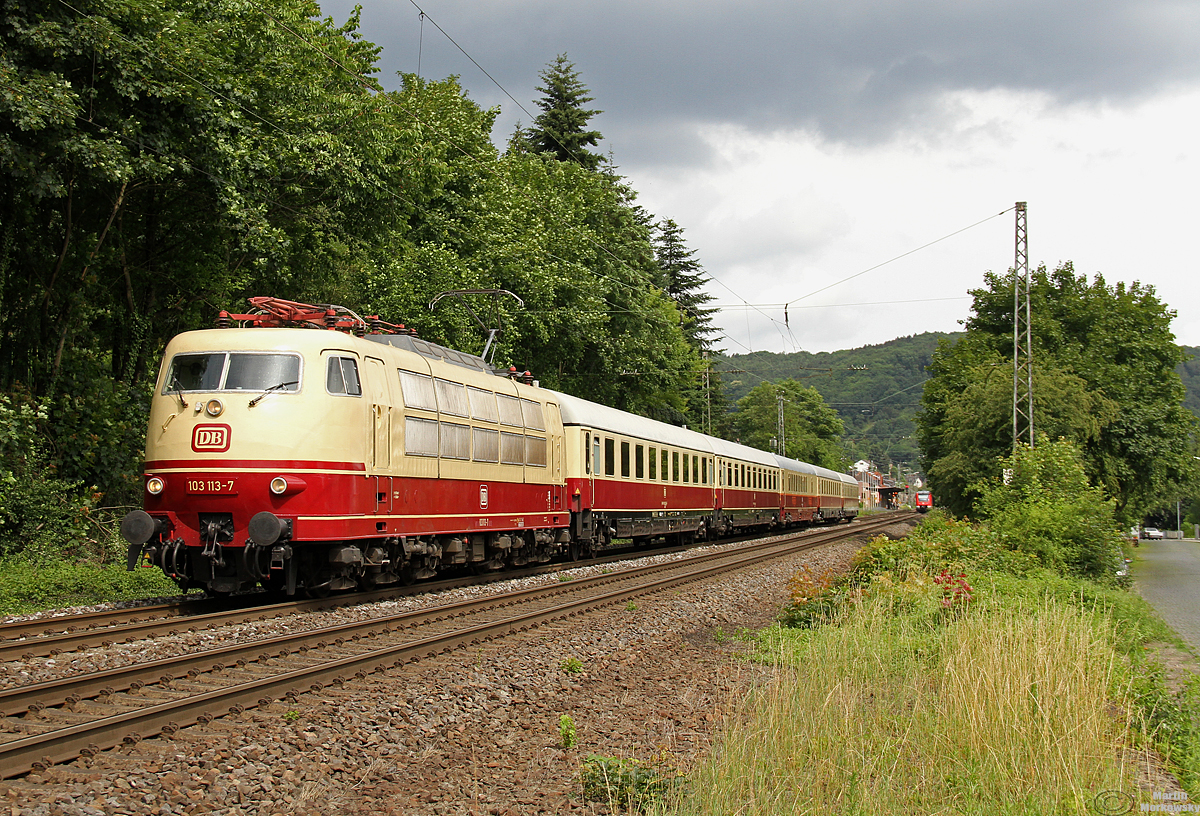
(360, 455)
(923, 501)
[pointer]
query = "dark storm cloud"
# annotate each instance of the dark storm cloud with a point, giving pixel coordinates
(851, 70)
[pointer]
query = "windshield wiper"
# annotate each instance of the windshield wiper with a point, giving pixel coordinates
(274, 387)
(177, 390)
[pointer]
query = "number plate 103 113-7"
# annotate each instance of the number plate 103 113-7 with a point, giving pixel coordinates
(217, 487)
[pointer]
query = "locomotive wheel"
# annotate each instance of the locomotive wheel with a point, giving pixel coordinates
(573, 551)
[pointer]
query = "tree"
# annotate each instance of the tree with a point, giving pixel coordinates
(1104, 378)
(683, 279)
(812, 430)
(560, 128)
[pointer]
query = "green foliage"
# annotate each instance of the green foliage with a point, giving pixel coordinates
(566, 732)
(875, 390)
(39, 513)
(1104, 378)
(28, 585)
(571, 665)
(1048, 510)
(628, 782)
(559, 130)
(812, 430)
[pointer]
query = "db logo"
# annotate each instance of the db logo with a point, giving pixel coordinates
(210, 438)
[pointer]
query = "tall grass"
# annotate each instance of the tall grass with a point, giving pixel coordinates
(991, 712)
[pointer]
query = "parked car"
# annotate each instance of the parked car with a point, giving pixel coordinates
(1152, 533)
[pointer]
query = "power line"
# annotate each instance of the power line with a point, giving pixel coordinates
(902, 255)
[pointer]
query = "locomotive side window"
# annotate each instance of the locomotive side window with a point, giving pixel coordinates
(510, 410)
(624, 459)
(455, 441)
(532, 413)
(610, 457)
(418, 390)
(487, 444)
(639, 469)
(451, 397)
(512, 449)
(653, 463)
(483, 404)
(341, 376)
(420, 437)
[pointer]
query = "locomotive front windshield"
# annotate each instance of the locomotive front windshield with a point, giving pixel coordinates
(233, 371)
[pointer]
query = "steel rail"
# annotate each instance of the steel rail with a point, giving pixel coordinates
(49, 637)
(17, 700)
(41, 750)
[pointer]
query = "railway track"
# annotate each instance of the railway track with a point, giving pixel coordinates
(50, 637)
(58, 720)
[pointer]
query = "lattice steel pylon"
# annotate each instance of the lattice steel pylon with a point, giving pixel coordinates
(1022, 337)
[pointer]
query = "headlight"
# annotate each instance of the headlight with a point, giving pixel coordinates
(155, 485)
(287, 485)
(214, 407)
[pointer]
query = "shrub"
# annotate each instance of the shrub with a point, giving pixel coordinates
(1048, 511)
(628, 782)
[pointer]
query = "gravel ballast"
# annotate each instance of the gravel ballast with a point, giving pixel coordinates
(471, 732)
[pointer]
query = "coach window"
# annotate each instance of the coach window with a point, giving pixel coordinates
(704, 470)
(624, 459)
(696, 469)
(685, 469)
(610, 457)
(653, 461)
(665, 460)
(510, 410)
(483, 404)
(418, 390)
(512, 449)
(639, 468)
(745, 472)
(587, 453)
(535, 451)
(452, 398)
(532, 413)
(455, 442)
(341, 376)
(486, 445)
(596, 453)
(674, 466)
(420, 437)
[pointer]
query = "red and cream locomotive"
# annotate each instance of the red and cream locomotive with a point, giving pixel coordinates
(360, 455)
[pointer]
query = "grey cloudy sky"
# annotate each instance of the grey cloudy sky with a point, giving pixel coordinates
(802, 143)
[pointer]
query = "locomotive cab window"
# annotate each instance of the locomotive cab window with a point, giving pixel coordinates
(233, 371)
(341, 376)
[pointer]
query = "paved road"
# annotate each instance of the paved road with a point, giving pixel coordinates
(1167, 574)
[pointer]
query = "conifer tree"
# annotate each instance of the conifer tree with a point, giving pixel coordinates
(682, 278)
(560, 127)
